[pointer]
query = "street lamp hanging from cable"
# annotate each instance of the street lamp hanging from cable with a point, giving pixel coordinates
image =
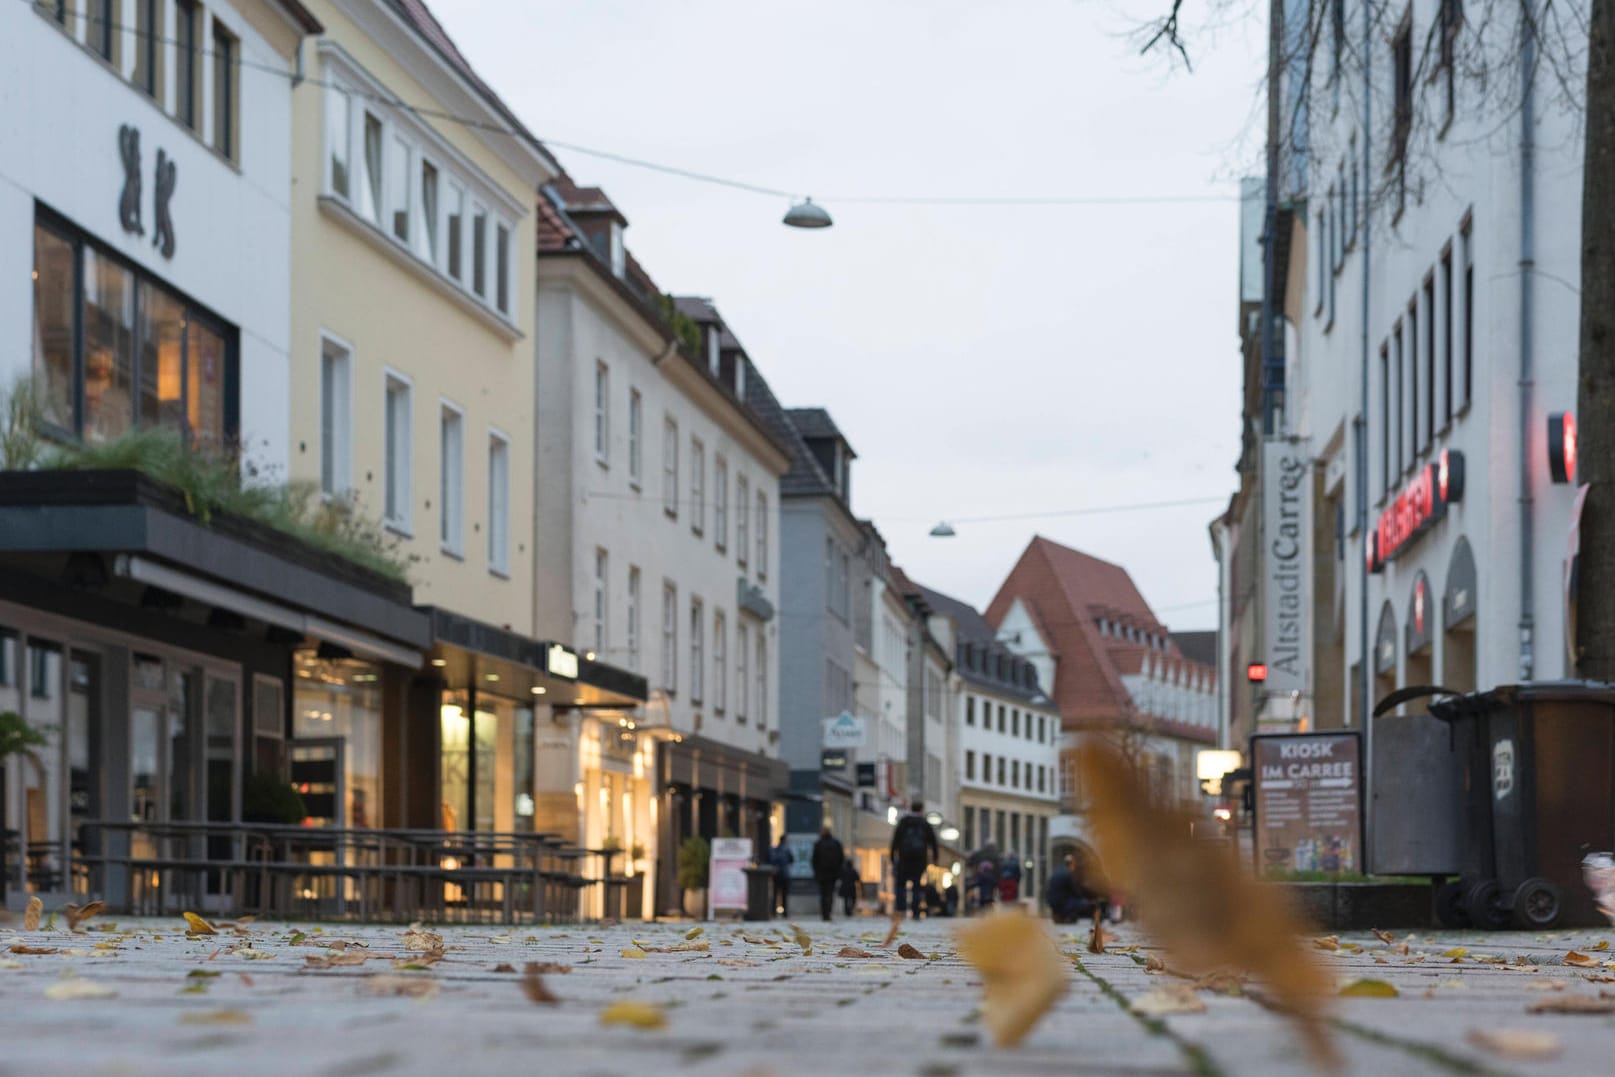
(943, 530)
(807, 215)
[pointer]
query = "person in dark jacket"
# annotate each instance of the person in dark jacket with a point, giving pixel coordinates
(851, 883)
(912, 839)
(828, 857)
(781, 858)
(1069, 899)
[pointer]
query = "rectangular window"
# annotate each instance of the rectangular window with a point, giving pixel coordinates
(698, 651)
(1385, 419)
(1414, 387)
(986, 766)
(632, 624)
(399, 173)
(454, 240)
(1468, 262)
(670, 467)
(762, 679)
(698, 485)
(370, 187)
(720, 662)
(1429, 361)
(1402, 89)
(451, 481)
(1014, 772)
(1398, 356)
(336, 418)
(1323, 266)
(742, 669)
(1446, 338)
(670, 637)
(1001, 771)
(636, 422)
(762, 535)
(501, 269)
(499, 504)
(399, 476)
(186, 17)
(1450, 19)
(742, 519)
(830, 589)
(1015, 723)
(844, 581)
(720, 503)
(602, 573)
(602, 414)
(970, 766)
(479, 251)
(338, 140)
(224, 91)
(148, 41)
(426, 213)
(101, 29)
(109, 347)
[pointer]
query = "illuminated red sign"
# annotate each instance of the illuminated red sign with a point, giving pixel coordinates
(1256, 672)
(1417, 506)
(1562, 446)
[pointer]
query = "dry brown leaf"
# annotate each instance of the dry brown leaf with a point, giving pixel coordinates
(1167, 1000)
(197, 925)
(216, 1017)
(1516, 1043)
(1222, 983)
(1599, 979)
(846, 951)
(740, 962)
(634, 952)
(75, 989)
(634, 1014)
(407, 986)
(245, 979)
(891, 936)
(77, 914)
(23, 948)
(690, 947)
(426, 941)
(1328, 942)
(1022, 972)
(507, 967)
(1154, 964)
(694, 932)
(1197, 902)
(546, 968)
(1581, 960)
(909, 952)
(1383, 936)
(1602, 945)
(1545, 985)
(336, 960)
(1578, 1004)
(533, 985)
(31, 915)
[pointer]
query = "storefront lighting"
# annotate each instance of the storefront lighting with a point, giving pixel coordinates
(1562, 446)
(588, 656)
(1224, 814)
(538, 689)
(577, 790)
(934, 818)
(631, 725)
(492, 678)
(440, 662)
(891, 815)
(949, 833)
(958, 869)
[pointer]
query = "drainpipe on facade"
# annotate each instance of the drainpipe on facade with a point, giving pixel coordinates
(1527, 267)
(1360, 428)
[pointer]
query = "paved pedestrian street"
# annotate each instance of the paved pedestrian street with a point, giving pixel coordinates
(143, 997)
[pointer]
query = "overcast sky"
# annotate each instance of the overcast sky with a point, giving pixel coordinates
(982, 361)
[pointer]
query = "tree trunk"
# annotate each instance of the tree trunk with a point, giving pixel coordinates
(1595, 396)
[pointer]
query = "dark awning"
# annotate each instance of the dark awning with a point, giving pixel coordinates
(702, 763)
(468, 651)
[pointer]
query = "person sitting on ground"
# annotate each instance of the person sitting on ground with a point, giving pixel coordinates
(1068, 897)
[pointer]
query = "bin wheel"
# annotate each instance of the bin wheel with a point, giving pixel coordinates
(1486, 906)
(1537, 904)
(1450, 910)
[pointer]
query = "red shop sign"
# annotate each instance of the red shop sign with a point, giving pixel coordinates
(1416, 508)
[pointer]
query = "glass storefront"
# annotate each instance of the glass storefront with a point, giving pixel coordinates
(486, 764)
(336, 739)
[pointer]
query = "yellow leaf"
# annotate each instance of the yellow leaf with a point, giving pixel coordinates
(31, 915)
(216, 1017)
(634, 952)
(694, 933)
(1328, 942)
(1604, 945)
(199, 926)
(1022, 972)
(72, 990)
(634, 1015)
(1168, 1000)
(690, 947)
(1456, 951)
(7, 963)
(1581, 960)
(1515, 1043)
(1369, 989)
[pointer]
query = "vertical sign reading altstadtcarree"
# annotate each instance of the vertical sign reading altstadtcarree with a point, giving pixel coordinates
(1309, 802)
(1287, 543)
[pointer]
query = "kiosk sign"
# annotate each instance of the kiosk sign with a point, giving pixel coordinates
(1309, 802)
(726, 874)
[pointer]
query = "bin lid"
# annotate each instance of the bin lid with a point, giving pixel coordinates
(1476, 704)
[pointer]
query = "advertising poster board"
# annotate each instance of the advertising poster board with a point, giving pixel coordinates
(1309, 802)
(726, 878)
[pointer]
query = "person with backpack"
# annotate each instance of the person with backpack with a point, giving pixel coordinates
(781, 858)
(914, 848)
(985, 861)
(1009, 879)
(828, 856)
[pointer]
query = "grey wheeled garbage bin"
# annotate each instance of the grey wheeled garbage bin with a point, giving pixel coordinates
(1538, 763)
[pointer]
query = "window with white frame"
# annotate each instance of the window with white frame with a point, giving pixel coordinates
(670, 637)
(454, 233)
(632, 625)
(720, 662)
(742, 669)
(602, 597)
(479, 251)
(720, 502)
(742, 519)
(338, 148)
(602, 412)
(336, 418)
(370, 192)
(698, 485)
(501, 268)
(399, 475)
(398, 175)
(499, 504)
(451, 480)
(636, 422)
(762, 536)
(670, 466)
(426, 226)
(762, 678)
(698, 651)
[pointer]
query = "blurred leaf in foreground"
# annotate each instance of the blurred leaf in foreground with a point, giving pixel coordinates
(1022, 972)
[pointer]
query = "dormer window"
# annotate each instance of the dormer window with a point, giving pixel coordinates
(714, 361)
(617, 251)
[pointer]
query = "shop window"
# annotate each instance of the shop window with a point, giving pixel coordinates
(340, 700)
(115, 349)
(268, 725)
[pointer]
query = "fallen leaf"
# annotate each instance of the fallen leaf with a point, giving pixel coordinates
(505, 967)
(533, 985)
(694, 932)
(1383, 936)
(740, 962)
(1515, 1043)
(7, 963)
(198, 926)
(891, 936)
(1168, 1000)
(1456, 951)
(1369, 989)
(910, 953)
(1604, 945)
(1022, 972)
(633, 952)
(245, 979)
(23, 948)
(546, 968)
(1581, 960)
(634, 1014)
(1545, 985)
(1222, 983)
(78, 914)
(216, 1017)
(202, 974)
(415, 939)
(250, 954)
(1599, 979)
(327, 961)
(72, 990)
(690, 947)
(1578, 1004)
(31, 915)
(407, 986)
(846, 951)
(1328, 942)
(803, 939)
(1154, 964)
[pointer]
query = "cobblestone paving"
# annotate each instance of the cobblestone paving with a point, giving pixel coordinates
(753, 1003)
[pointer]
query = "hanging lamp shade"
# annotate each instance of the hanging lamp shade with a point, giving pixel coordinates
(807, 215)
(943, 530)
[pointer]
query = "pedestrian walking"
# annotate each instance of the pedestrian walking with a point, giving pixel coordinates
(781, 858)
(986, 862)
(828, 856)
(1009, 879)
(914, 846)
(850, 885)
